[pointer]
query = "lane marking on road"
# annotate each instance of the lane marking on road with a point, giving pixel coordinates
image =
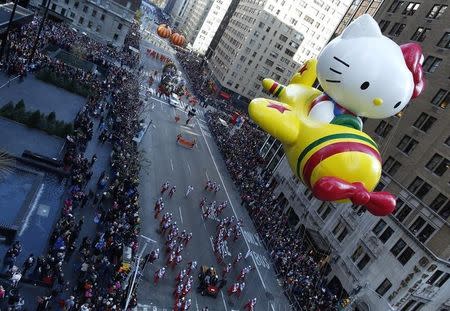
(189, 167)
(223, 299)
(196, 304)
(206, 173)
(231, 203)
(171, 164)
(181, 215)
(212, 244)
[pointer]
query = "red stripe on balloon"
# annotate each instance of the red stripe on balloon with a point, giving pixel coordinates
(273, 87)
(331, 150)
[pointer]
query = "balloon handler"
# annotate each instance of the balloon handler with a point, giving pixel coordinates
(321, 132)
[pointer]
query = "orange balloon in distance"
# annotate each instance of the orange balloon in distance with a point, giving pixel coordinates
(178, 39)
(164, 31)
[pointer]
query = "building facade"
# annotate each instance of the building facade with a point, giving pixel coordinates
(400, 262)
(210, 25)
(255, 44)
(105, 20)
(355, 10)
(194, 18)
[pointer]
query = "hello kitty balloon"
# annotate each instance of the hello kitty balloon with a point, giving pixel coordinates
(364, 73)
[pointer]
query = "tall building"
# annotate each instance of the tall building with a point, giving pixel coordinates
(255, 44)
(316, 20)
(355, 10)
(402, 261)
(210, 25)
(222, 26)
(104, 20)
(194, 18)
(178, 11)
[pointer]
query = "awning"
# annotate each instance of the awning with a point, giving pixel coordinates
(224, 95)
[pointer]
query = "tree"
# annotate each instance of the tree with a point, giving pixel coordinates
(51, 117)
(34, 119)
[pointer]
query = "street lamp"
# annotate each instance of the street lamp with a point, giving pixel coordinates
(135, 270)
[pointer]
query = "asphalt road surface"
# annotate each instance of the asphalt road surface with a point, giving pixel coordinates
(163, 159)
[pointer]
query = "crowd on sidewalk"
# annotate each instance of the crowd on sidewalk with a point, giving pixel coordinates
(302, 274)
(114, 106)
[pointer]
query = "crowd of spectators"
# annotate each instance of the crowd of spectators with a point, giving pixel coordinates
(112, 110)
(301, 272)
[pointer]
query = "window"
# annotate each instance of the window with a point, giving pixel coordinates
(76, 4)
(406, 255)
(403, 213)
(94, 13)
(417, 225)
(384, 287)
(294, 44)
(357, 253)
(85, 8)
(363, 262)
(383, 129)
(407, 144)
(273, 54)
(411, 8)
(445, 41)
(261, 25)
(419, 187)
(408, 305)
(378, 227)
(327, 211)
(438, 202)
(280, 69)
(420, 34)
(391, 166)
(72, 15)
(386, 234)
(289, 53)
(269, 62)
(425, 233)
(102, 18)
(119, 26)
(434, 277)
(441, 99)
(424, 122)
(442, 280)
(89, 25)
(384, 24)
(395, 6)
(115, 37)
(438, 164)
(447, 141)
(398, 247)
(66, 1)
(81, 20)
(343, 234)
(437, 11)
(278, 46)
(283, 38)
(309, 19)
(431, 63)
(397, 29)
(99, 28)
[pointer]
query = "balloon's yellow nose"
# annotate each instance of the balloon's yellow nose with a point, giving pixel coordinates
(377, 101)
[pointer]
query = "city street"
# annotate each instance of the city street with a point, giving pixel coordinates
(165, 160)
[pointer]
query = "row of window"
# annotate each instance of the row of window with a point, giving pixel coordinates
(411, 8)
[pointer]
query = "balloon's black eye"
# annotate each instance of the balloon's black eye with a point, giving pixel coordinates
(365, 85)
(397, 104)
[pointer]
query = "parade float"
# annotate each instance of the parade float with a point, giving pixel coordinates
(363, 74)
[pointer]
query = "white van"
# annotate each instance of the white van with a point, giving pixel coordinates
(174, 100)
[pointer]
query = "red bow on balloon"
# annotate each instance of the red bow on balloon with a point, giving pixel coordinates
(334, 189)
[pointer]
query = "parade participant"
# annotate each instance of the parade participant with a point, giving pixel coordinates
(187, 304)
(233, 289)
(170, 259)
(250, 305)
(178, 306)
(216, 189)
(188, 238)
(159, 274)
(213, 186)
(154, 255)
(164, 187)
(226, 270)
(179, 249)
(191, 266)
(240, 289)
(182, 236)
(202, 202)
(178, 259)
(220, 208)
(208, 185)
(180, 276)
(237, 259)
(189, 190)
(158, 210)
(172, 191)
(244, 272)
(177, 291)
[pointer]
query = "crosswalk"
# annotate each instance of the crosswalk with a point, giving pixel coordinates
(142, 307)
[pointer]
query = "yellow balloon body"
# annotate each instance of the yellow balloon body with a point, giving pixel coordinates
(315, 149)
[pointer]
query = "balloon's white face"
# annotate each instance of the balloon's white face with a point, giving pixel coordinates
(365, 72)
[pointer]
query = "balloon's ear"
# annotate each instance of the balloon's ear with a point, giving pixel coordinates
(412, 52)
(363, 26)
(276, 118)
